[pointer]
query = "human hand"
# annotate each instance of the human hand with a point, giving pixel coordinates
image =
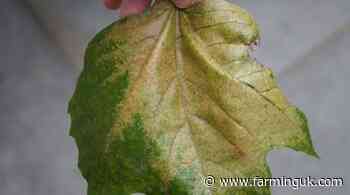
(130, 7)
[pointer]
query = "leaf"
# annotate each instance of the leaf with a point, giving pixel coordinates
(171, 96)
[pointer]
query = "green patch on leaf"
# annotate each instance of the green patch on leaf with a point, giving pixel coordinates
(127, 164)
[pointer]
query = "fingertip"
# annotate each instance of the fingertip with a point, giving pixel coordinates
(112, 4)
(133, 7)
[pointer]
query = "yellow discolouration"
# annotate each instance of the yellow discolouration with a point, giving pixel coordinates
(211, 108)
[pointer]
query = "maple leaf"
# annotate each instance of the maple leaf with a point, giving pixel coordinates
(171, 96)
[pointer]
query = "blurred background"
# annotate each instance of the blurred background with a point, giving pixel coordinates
(306, 43)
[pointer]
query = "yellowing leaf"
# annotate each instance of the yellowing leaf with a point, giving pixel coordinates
(171, 96)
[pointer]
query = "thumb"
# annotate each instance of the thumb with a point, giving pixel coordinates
(130, 7)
